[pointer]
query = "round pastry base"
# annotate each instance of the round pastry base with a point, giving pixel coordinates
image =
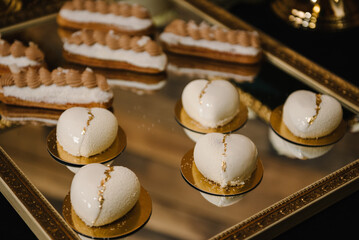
(194, 178)
(277, 124)
(63, 157)
(135, 219)
(187, 122)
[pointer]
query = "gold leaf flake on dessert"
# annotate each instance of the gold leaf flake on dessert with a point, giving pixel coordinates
(91, 117)
(101, 198)
(224, 164)
(318, 101)
(203, 91)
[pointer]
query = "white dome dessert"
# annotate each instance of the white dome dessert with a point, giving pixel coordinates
(86, 131)
(226, 159)
(211, 103)
(310, 115)
(102, 194)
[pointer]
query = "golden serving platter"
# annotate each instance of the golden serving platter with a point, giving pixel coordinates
(187, 122)
(194, 178)
(156, 140)
(63, 157)
(134, 220)
(281, 130)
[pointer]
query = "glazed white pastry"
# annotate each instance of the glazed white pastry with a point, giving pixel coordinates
(310, 115)
(226, 159)
(211, 103)
(291, 150)
(86, 131)
(102, 194)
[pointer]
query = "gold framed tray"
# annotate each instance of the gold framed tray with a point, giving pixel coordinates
(155, 142)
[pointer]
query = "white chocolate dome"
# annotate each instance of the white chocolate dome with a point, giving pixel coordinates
(226, 159)
(121, 191)
(310, 115)
(86, 131)
(211, 103)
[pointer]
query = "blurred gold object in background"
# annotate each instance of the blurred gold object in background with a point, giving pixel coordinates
(318, 14)
(9, 6)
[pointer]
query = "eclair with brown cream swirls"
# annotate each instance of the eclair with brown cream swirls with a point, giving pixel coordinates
(19, 54)
(121, 17)
(212, 42)
(114, 51)
(58, 89)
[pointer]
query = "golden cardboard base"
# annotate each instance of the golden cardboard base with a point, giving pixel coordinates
(195, 179)
(187, 122)
(281, 130)
(60, 155)
(135, 219)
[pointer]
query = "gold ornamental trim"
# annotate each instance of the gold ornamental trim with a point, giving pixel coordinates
(27, 200)
(293, 204)
(286, 59)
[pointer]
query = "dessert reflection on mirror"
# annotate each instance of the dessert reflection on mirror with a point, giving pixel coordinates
(214, 42)
(20, 55)
(102, 194)
(310, 115)
(58, 89)
(225, 159)
(292, 150)
(196, 67)
(139, 83)
(221, 201)
(86, 131)
(121, 17)
(107, 49)
(27, 115)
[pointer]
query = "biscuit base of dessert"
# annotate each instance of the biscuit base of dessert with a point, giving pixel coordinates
(104, 27)
(106, 63)
(19, 102)
(216, 55)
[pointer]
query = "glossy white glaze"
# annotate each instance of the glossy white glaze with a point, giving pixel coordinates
(86, 132)
(121, 193)
(238, 155)
(212, 104)
(299, 109)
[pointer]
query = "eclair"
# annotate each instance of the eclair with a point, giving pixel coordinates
(59, 89)
(212, 42)
(115, 51)
(121, 17)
